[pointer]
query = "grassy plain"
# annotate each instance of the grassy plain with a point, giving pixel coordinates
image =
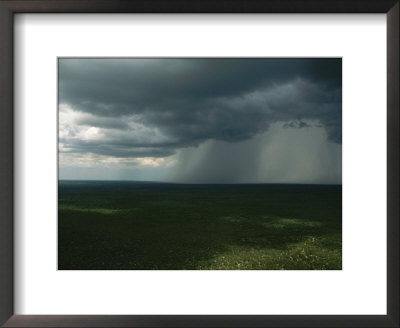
(160, 226)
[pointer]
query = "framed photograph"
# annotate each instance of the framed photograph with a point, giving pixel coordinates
(199, 164)
(181, 169)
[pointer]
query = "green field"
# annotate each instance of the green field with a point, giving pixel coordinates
(156, 226)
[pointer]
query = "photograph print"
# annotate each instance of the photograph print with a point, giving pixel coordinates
(199, 163)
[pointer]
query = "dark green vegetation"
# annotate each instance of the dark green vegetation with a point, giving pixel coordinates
(128, 225)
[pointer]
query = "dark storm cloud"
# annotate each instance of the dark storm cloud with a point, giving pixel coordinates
(151, 107)
(297, 124)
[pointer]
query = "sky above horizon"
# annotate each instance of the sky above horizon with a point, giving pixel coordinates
(204, 120)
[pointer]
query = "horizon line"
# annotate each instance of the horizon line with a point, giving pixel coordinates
(201, 183)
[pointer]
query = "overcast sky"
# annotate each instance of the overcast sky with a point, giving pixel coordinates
(201, 120)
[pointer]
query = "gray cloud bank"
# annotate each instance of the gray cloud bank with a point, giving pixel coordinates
(155, 107)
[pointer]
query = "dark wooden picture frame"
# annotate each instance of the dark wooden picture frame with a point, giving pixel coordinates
(10, 7)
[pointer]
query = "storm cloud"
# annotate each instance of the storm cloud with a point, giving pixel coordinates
(136, 108)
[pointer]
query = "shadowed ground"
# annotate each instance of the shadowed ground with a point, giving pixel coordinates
(131, 225)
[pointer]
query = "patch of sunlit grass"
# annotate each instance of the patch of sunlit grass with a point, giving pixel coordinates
(306, 255)
(93, 210)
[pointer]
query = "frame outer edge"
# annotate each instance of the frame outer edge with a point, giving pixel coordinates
(197, 321)
(6, 194)
(393, 27)
(6, 164)
(200, 6)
